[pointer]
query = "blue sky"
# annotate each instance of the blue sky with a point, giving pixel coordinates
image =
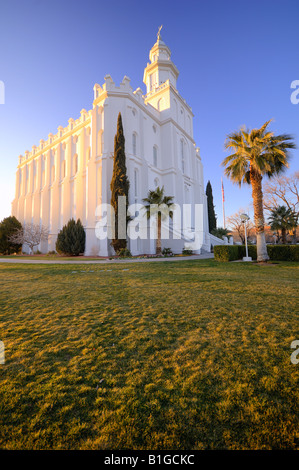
(236, 59)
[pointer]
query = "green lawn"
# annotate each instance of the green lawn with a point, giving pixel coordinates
(51, 257)
(170, 355)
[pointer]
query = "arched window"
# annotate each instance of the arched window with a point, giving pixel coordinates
(134, 143)
(88, 154)
(155, 156)
(63, 169)
(135, 185)
(182, 156)
(27, 179)
(160, 104)
(52, 174)
(75, 161)
(175, 110)
(100, 143)
(20, 182)
(188, 124)
(43, 177)
(34, 177)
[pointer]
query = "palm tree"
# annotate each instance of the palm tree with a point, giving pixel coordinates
(283, 219)
(257, 153)
(220, 232)
(157, 203)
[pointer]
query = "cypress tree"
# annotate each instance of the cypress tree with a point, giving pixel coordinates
(211, 208)
(120, 183)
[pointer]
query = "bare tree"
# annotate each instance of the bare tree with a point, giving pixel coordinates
(30, 235)
(282, 190)
(236, 224)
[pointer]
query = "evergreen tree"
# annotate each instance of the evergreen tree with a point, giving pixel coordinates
(71, 239)
(8, 227)
(211, 208)
(119, 183)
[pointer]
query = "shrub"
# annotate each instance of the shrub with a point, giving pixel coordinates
(294, 252)
(8, 227)
(124, 253)
(167, 252)
(283, 252)
(275, 252)
(71, 239)
(226, 252)
(187, 251)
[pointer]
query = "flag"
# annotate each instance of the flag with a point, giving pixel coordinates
(222, 190)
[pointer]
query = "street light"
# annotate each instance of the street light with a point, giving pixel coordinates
(244, 219)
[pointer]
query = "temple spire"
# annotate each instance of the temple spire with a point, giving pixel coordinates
(161, 68)
(159, 33)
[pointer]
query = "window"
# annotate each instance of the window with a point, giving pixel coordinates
(43, 171)
(88, 154)
(182, 156)
(135, 185)
(153, 80)
(52, 174)
(160, 104)
(134, 143)
(27, 179)
(20, 182)
(63, 169)
(34, 177)
(155, 156)
(75, 169)
(156, 182)
(100, 143)
(43, 177)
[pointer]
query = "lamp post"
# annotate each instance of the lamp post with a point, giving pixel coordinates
(244, 219)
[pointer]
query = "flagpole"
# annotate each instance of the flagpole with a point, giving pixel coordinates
(223, 212)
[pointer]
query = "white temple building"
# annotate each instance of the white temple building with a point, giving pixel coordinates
(68, 175)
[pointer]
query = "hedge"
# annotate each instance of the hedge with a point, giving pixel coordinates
(283, 252)
(226, 252)
(275, 252)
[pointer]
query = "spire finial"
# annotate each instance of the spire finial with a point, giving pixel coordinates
(159, 33)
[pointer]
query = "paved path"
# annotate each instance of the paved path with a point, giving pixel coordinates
(106, 261)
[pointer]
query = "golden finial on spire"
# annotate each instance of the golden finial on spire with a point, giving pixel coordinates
(159, 32)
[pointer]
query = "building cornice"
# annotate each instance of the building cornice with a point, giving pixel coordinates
(55, 140)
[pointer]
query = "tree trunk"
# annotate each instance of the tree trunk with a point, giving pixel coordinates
(257, 196)
(294, 235)
(158, 242)
(284, 235)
